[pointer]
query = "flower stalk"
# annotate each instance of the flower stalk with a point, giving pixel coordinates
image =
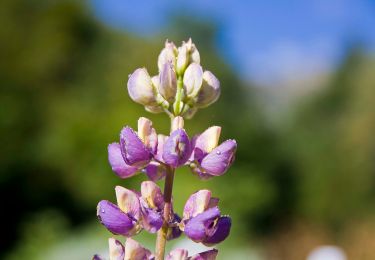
(179, 90)
(161, 239)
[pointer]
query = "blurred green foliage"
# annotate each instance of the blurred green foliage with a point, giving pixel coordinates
(63, 100)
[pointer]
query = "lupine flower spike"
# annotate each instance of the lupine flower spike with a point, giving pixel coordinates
(180, 88)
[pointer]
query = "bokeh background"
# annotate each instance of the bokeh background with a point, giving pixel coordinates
(298, 94)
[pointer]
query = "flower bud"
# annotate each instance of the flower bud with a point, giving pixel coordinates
(141, 89)
(193, 52)
(182, 59)
(210, 90)
(167, 55)
(167, 82)
(193, 79)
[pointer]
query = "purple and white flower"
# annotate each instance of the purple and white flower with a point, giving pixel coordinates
(135, 150)
(208, 159)
(202, 221)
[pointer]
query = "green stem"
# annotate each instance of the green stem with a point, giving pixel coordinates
(178, 100)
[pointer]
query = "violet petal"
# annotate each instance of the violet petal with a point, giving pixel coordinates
(159, 154)
(177, 148)
(115, 220)
(133, 149)
(155, 171)
(198, 227)
(219, 159)
(118, 164)
(152, 220)
(221, 231)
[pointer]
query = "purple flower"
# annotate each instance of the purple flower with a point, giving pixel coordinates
(182, 254)
(133, 211)
(131, 250)
(202, 221)
(152, 202)
(123, 218)
(208, 159)
(177, 149)
(135, 150)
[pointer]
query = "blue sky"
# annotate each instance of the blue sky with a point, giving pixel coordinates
(266, 41)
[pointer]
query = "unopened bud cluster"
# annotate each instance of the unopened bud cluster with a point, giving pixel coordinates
(180, 88)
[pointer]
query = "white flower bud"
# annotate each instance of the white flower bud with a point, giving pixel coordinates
(168, 54)
(140, 88)
(210, 90)
(193, 79)
(167, 82)
(193, 52)
(182, 59)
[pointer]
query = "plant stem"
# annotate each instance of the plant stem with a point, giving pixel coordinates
(161, 239)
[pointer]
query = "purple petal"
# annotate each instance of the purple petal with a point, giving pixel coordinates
(151, 193)
(117, 162)
(155, 171)
(197, 203)
(147, 134)
(115, 220)
(160, 148)
(134, 250)
(128, 202)
(152, 220)
(97, 257)
(218, 161)
(198, 227)
(177, 148)
(220, 232)
(178, 254)
(207, 255)
(116, 249)
(174, 231)
(133, 149)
